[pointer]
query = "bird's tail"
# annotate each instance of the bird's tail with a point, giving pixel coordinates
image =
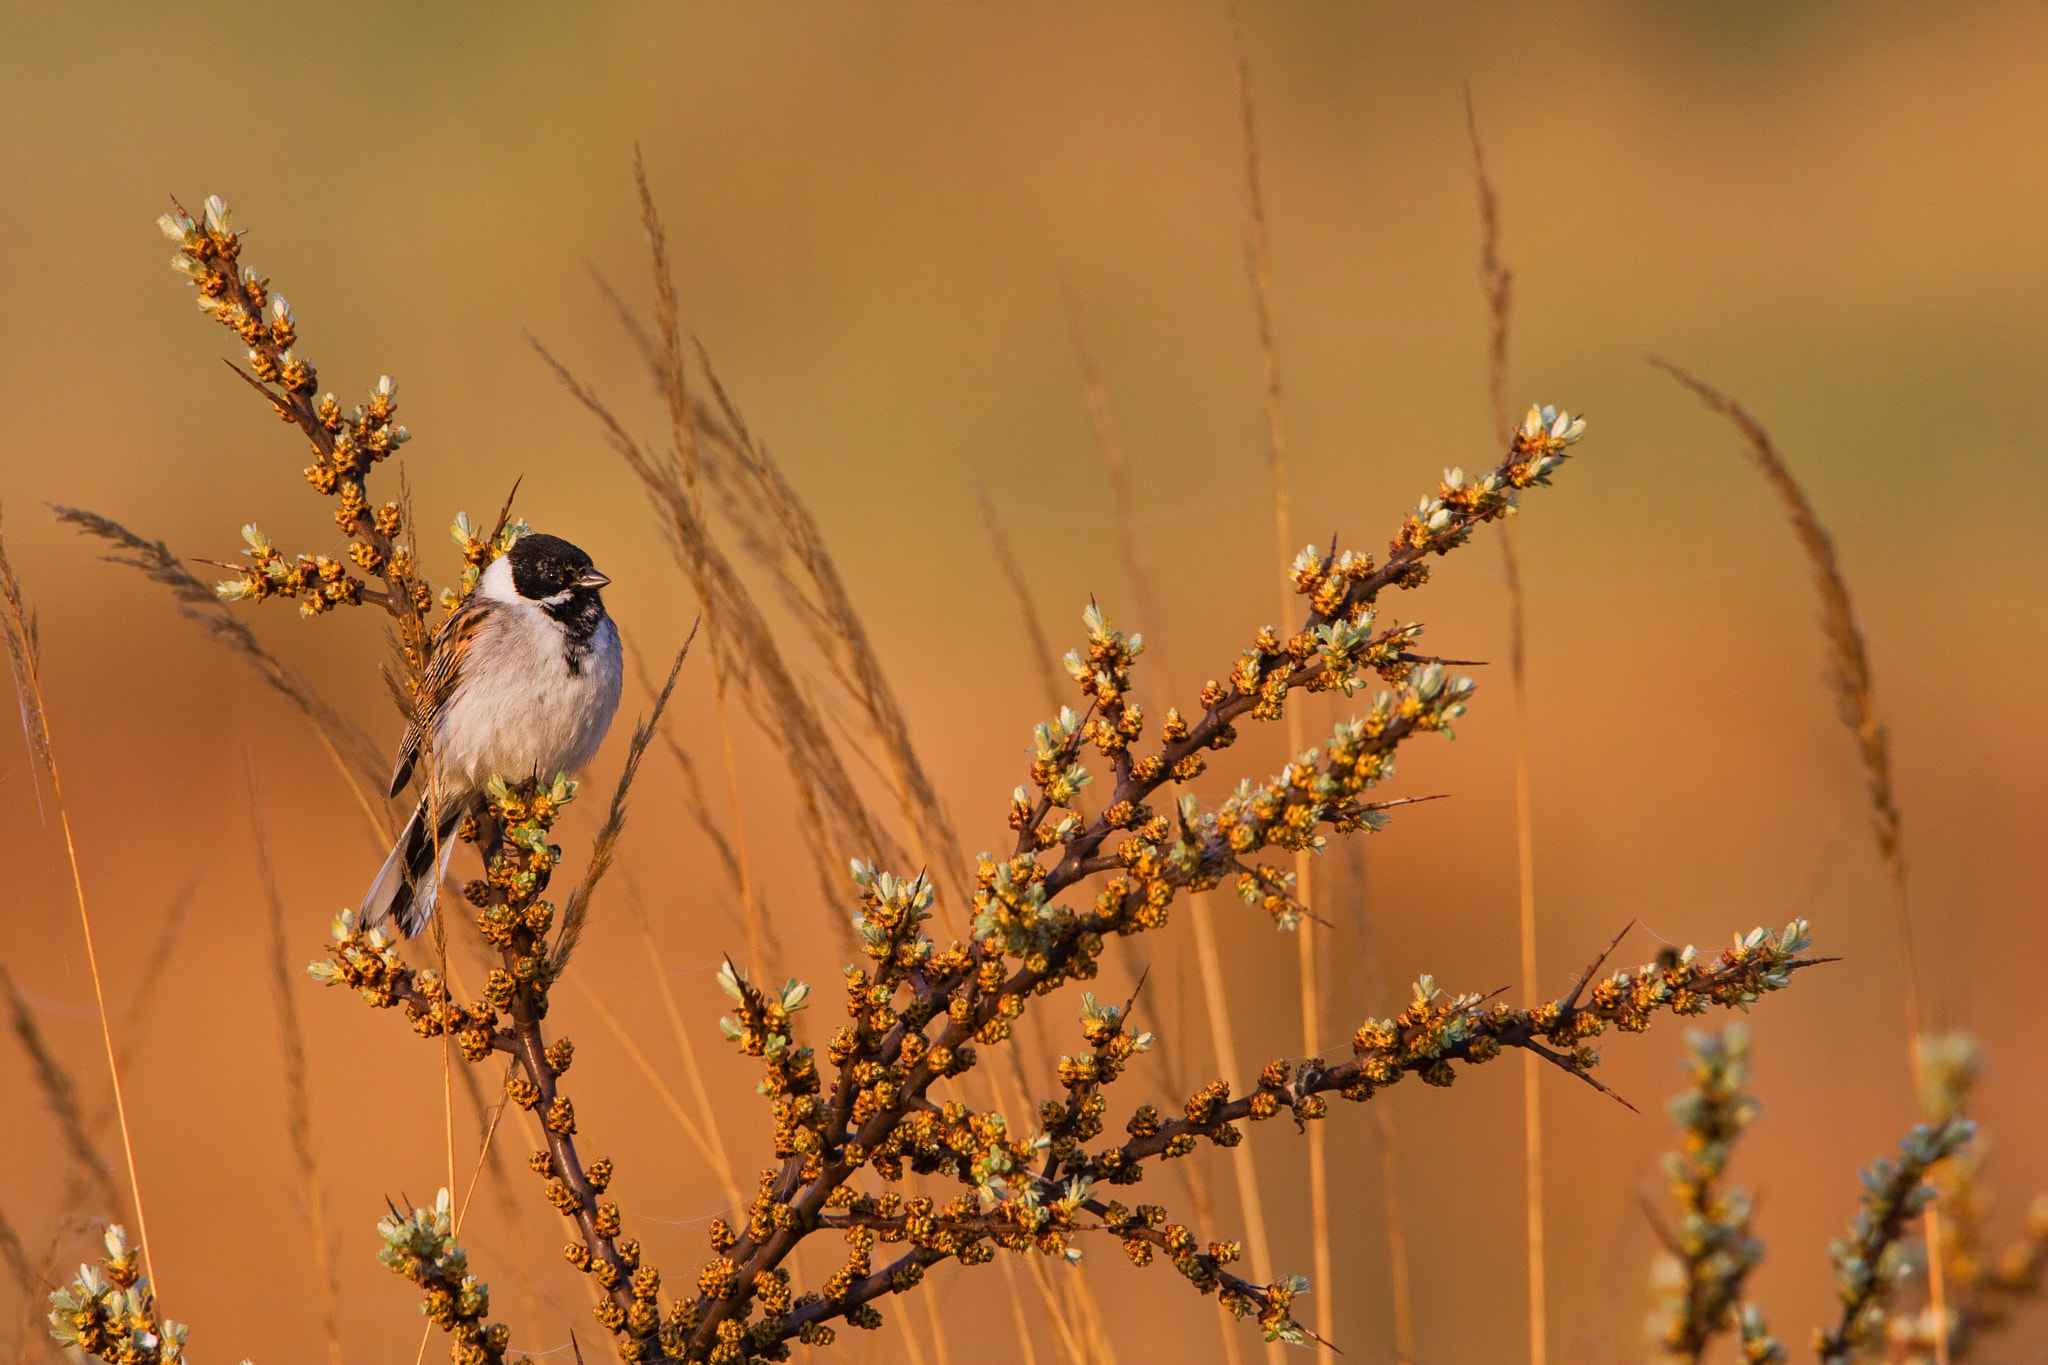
(404, 891)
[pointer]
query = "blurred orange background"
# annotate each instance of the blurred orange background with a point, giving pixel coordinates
(878, 216)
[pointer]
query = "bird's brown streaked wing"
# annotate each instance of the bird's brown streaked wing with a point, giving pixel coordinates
(444, 671)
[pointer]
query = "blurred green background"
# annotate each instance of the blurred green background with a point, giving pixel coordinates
(878, 216)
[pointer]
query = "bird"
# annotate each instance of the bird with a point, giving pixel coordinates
(521, 681)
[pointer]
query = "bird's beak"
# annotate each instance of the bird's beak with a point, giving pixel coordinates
(592, 579)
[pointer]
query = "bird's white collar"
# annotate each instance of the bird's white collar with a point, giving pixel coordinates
(496, 584)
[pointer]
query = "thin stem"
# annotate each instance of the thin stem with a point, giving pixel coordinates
(1102, 420)
(1851, 679)
(1498, 284)
(23, 646)
(931, 1310)
(298, 1103)
(910, 1346)
(1224, 1040)
(739, 824)
(1283, 514)
(106, 1035)
(707, 1113)
(698, 1138)
(1062, 1329)
(1397, 1238)
(1372, 998)
(1042, 653)
(1023, 1323)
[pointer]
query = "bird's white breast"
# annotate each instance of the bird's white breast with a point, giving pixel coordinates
(518, 709)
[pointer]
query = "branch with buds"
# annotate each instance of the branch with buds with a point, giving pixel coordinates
(421, 1247)
(1713, 1248)
(109, 1311)
(920, 1011)
(1867, 1262)
(346, 446)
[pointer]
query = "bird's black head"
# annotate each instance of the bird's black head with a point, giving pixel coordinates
(545, 567)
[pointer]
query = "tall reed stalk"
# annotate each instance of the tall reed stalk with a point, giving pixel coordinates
(298, 1101)
(1854, 688)
(1497, 282)
(1374, 999)
(1130, 551)
(1260, 262)
(673, 381)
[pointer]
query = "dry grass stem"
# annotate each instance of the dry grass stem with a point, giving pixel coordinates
(483, 1152)
(1035, 640)
(699, 1139)
(298, 1106)
(33, 1283)
(16, 1256)
(671, 377)
(1497, 282)
(59, 1093)
(911, 1349)
(362, 766)
(1224, 1040)
(1367, 961)
(1083, 1299)
(1123, 506)
(694, 801)
(707, 1112)
(578, 912)
(1017, 1316)
(26, 1281)
(1261, 270)
(1401, 1289)
(778, 532)
(777, 528)
(1123, 501)
(836, 823)
(18, 623)
(1849, 678)
(752, 911)
(1069, 1341)
(169, 931)
(941, 1354)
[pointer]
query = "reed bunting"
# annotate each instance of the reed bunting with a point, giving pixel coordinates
(522, 681)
